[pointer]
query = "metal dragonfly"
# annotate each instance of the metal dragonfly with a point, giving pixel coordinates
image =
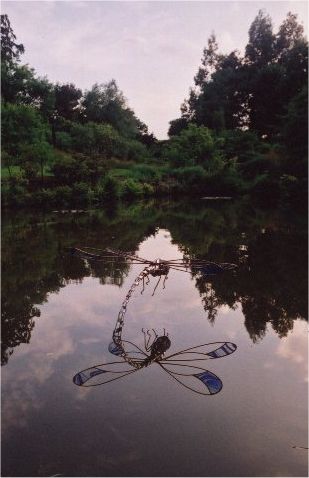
(191, 376)
(156, 268)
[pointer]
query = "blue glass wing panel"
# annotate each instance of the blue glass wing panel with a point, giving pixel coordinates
(82, 377)
(212, 382)
(115, 349)
(225, 349)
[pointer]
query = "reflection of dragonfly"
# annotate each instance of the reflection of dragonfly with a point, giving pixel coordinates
(157, 267)
(191, 376)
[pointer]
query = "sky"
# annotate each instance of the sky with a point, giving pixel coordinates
(152, 49)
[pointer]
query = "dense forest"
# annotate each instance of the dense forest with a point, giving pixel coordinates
(242, 130)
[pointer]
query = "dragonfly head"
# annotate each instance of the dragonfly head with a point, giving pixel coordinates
(160, 345)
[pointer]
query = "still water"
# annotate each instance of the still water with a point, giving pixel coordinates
(59, 313)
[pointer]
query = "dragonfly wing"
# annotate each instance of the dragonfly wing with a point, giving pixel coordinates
(196, 379)
(129, 349)
(208, 351)
(103, 373)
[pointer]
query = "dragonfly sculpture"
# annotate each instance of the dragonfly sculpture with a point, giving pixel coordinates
(182, 366)
(156, 268)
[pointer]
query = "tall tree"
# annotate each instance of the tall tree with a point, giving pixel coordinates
(209, 61)
(105, 103)
(260, 49)
(10, 50)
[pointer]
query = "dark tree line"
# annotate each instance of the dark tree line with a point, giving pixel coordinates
(254, 107)
(242, 130)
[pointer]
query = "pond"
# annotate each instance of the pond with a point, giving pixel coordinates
(59, 312)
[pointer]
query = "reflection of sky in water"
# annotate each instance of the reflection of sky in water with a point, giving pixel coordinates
(145, 424)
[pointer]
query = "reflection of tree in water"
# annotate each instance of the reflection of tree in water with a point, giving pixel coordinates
(270, 283)
(35, 263)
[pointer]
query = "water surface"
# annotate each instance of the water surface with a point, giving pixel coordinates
(59, 313)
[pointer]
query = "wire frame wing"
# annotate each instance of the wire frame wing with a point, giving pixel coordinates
(212, 350)
(102, 374)
(196, 379)
(127, 349)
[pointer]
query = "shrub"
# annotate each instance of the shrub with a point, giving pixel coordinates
(130, 188)
(136, 151)
(145, 172)
(195, 145)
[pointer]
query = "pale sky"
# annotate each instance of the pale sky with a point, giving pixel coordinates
(152, 49)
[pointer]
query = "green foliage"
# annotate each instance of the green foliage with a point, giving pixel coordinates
(231, 90)
(67, 97)
(34, 157)
(240, 145)
(148, 189)
(176, 126)
(69, 169)
(21, 125)
(14, 192)
(131, 189)
(295, 132)
(82, 194)
(110, 188)
(63, 140)
(243, 128)
(105, 103)
(145, 172)
(260, 49)
(10, 50)
(194, 146)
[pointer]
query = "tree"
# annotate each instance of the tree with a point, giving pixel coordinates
(105, 103)
(289, 35)
(176, 126)
(295, 133)
(67, 98)
(209, 61)
(21, 125)
(10, 50)
(260, 50)
(276, 68)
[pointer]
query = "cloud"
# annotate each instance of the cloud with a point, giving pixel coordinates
(294, 347)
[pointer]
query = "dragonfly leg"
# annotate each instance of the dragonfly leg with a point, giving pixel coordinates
(164, 281)
(143, 285)
(156, 286)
